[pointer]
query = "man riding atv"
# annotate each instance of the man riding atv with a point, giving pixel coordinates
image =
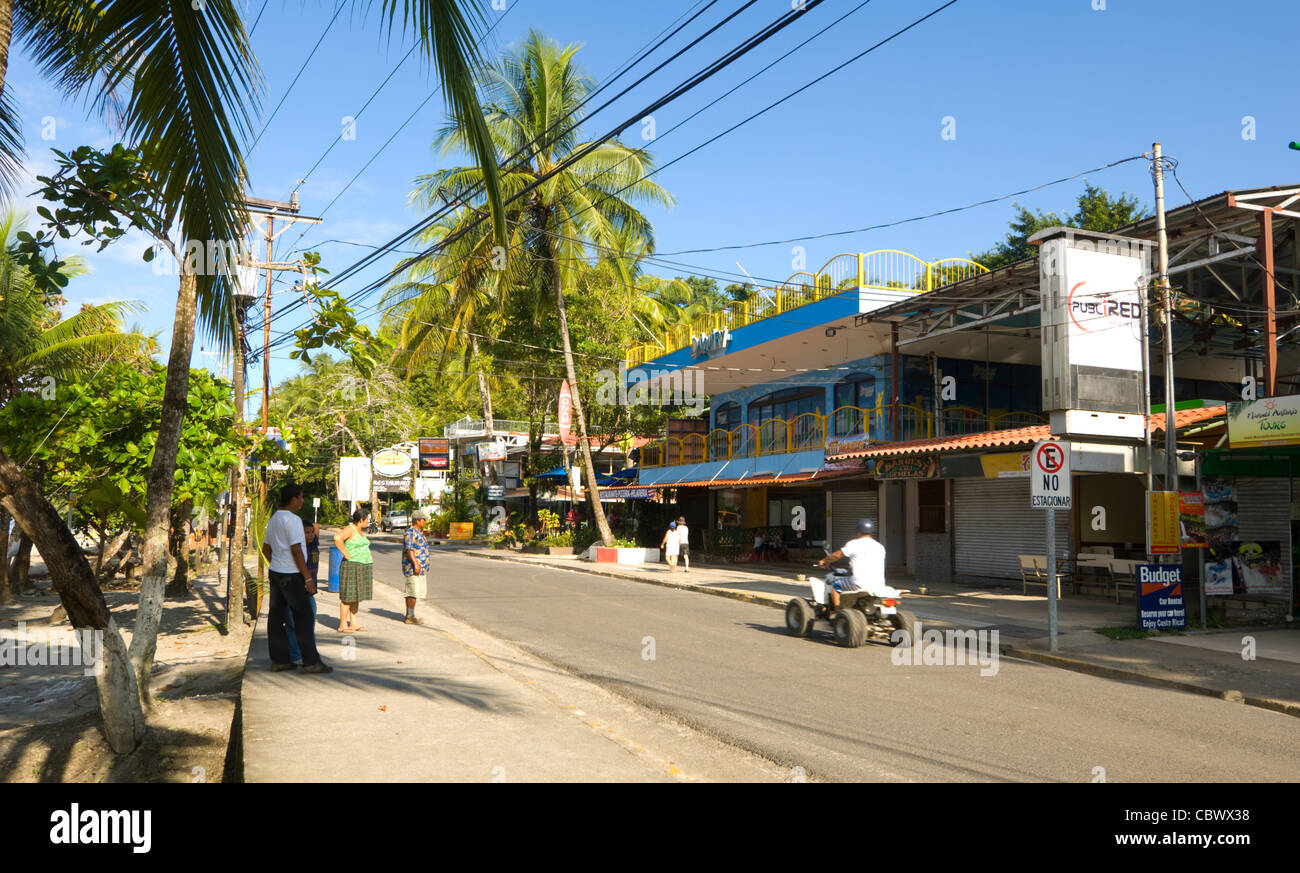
(866, 560)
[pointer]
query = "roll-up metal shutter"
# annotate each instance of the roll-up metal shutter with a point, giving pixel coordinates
(846, 508)
(993, 522)
(1264, 514)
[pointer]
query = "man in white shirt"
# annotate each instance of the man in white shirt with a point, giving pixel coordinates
(867, 560)
(684, 543)
(293, 583)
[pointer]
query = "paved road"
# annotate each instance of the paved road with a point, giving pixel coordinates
(729, 668)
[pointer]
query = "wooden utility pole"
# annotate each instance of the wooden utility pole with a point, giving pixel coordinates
(268, 211)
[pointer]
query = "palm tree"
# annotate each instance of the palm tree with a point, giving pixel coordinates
(181, 79)
(583, 196)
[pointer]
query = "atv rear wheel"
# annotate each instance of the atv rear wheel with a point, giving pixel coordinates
(798, 617)
(850, 628)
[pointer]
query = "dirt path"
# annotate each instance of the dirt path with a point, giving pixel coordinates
(49, 721)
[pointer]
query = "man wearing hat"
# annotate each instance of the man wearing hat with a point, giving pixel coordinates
(415, 563)
(866, 560)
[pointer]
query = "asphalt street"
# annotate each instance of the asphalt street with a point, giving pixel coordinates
(729, 668)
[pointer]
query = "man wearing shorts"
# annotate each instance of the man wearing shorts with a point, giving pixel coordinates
(415, 563)
(866, 560)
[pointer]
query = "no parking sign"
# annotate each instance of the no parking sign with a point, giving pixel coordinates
(1049, 474)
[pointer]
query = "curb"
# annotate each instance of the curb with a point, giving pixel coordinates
(730, 593)
(1088, 667)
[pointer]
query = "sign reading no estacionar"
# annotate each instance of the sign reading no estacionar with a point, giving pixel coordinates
(1049, 475)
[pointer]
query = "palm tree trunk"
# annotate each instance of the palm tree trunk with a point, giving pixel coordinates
(162, 476)
(597, 512)
(119, 700)
(235, 547)
(485, 397)
(6, 34)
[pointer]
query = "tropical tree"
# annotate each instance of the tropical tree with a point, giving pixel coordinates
(578, 194)
(41, 349)
(1095, 209)
(181, 78)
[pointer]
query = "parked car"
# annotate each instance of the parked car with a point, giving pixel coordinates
(395, 521)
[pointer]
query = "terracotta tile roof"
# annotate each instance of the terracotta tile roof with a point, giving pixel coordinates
(1015, 437)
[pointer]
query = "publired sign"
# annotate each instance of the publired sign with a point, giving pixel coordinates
(565, 415)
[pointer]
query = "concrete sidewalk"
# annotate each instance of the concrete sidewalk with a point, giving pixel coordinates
(444, 702)
(1202, 662)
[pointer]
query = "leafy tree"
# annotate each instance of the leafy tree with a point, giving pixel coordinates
(1096, 209)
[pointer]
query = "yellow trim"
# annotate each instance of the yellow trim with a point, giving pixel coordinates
(879, 270)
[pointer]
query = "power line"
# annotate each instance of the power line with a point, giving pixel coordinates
(253, 29)
(719, 64)
(296, 77)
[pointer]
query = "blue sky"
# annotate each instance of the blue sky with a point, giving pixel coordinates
(1033, 89)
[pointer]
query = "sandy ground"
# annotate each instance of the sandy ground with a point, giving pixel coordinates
(49, 719)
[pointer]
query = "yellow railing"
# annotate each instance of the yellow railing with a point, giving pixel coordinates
(813, 430)
(887, 270)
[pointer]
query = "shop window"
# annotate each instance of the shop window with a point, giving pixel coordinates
(931, 507)
(855, 390)
(727, 418)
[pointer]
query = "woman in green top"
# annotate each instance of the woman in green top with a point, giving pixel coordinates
(356, 573)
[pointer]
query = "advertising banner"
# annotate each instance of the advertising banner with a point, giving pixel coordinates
(1161, 604)
(461, 530)
(1191, 519)
(564, 414)
(391, 463)
(435, 454)
(1003, 466)
(1270, 421)
(1163, 534)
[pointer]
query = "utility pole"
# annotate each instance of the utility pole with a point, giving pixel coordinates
(260, 210)
(1166, 299)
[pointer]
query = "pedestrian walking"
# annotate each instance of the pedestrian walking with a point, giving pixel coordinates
(415, 563)
(684, 543)
(356, 573)
(671, 546)
(293, 586)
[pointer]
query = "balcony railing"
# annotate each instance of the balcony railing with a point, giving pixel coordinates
(859, 425)
(881, 270)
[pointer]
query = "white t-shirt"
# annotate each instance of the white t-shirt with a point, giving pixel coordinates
(672, 545)
(683, 535)
(282, 531)
(867, 562)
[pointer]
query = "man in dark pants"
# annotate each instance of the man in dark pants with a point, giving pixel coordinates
(293, 584)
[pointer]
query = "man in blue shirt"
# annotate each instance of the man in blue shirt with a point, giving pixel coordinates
(415, 563)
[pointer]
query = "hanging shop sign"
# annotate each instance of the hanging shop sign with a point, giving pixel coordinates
(496, 492)
(564, 414)
(1163, 534)
(1161, 604)
(492, 451)
(1270, 421)
(925, 467)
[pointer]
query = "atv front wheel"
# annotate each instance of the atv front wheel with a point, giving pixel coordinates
(798, 617)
